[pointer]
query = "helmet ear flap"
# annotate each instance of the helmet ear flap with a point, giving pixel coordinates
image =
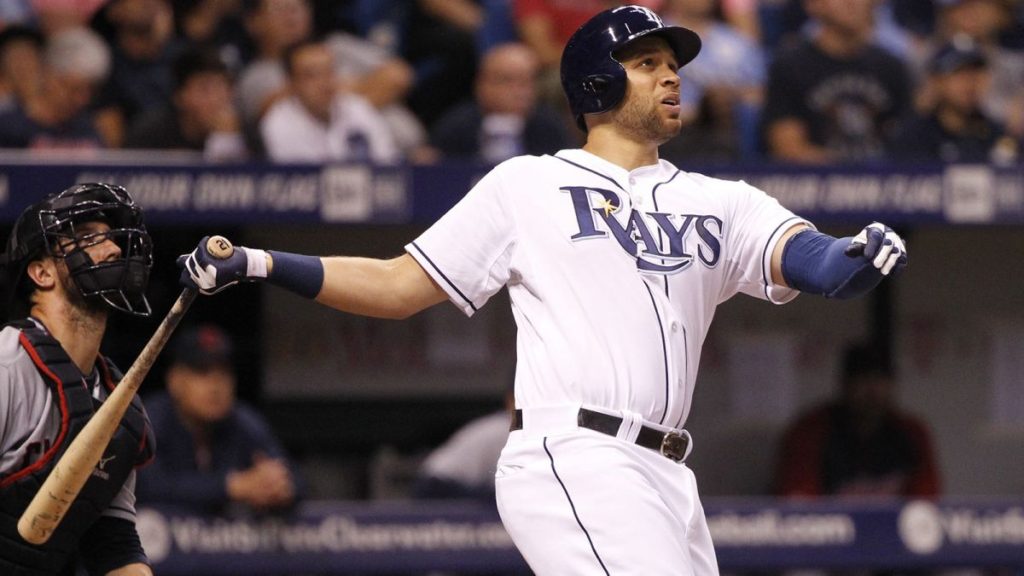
(597, 84)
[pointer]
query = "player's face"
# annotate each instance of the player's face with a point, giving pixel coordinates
(205, 97)
(650, 110)
(95, 240)
(202, 396)
(313, 79)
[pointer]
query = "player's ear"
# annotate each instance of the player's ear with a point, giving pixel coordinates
(43, 273)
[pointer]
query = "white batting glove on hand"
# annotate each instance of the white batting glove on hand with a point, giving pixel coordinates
(880, 244)
(208, 274)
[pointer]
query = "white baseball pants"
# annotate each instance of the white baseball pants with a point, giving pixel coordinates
(579, 502)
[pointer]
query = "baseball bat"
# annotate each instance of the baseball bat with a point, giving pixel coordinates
(46, 510)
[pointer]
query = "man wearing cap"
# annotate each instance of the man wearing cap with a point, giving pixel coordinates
(215, 451)
(955, 128)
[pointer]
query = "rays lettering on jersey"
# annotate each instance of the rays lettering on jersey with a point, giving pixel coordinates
(665, 259)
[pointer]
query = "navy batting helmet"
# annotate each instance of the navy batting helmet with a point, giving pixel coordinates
(47, 228)
(593, 80)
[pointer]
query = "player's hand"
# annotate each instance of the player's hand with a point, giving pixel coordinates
(882, 246)
(264, 485)
(208, 274)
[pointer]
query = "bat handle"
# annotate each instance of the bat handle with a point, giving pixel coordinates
(219, 247)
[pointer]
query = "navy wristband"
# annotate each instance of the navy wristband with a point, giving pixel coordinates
(299, 273)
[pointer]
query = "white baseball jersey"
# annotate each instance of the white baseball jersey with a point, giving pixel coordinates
(614, 275)
(355, 131)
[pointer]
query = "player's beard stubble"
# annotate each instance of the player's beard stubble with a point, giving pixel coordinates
(643, 120)
(91, 307)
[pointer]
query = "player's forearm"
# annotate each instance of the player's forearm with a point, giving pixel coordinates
(789, 141)
(395, 288)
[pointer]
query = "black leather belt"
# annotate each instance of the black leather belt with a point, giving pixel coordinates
(671, 445)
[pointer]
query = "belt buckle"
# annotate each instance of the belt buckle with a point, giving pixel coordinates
(673, 446)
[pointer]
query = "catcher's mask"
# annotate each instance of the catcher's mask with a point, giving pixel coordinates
(48, 228)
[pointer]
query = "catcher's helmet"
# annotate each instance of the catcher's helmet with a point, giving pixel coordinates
(47, 228)
(593, 80)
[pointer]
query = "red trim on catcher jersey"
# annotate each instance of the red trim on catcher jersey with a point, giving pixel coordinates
(64, 417)
(108, 380)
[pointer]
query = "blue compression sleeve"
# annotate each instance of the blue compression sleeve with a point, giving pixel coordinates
(301, 274)
(813, 262)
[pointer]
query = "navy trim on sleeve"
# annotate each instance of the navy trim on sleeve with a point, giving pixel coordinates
(765, 262)
(443, 275)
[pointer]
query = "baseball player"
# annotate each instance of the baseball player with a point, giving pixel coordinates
(615, 262)
(70, 259)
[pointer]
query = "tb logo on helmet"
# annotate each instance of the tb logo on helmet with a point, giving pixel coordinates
(647, 12)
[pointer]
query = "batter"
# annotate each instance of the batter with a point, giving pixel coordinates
(615, 262)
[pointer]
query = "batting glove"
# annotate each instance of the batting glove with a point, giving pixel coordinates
(882, 246)
(208, 274)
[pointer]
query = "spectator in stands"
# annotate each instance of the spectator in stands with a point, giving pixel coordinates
(21, 66)
(15, 13)
(985, 21)
(273, 25)
(862, 443)
(215, 23)
(202, 116)
(835, 97)
(721, 90)
(54, 16)
(75, 64)
(439, 41)
(360, 67)
(545, 26)
(464, 466)
(956, 129)
(144, 49)
(215, 453)
(320, 122)
(504, 119)
(384, 80)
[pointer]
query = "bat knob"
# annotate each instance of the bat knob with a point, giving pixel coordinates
(219, 247)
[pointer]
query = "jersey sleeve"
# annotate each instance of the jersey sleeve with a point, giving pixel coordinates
(28, 419)
(758, 223)
(468, 251)
(123, 504)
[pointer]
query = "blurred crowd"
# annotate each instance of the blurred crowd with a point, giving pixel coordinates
(799, 81)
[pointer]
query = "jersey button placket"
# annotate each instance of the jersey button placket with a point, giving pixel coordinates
(677, 340)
